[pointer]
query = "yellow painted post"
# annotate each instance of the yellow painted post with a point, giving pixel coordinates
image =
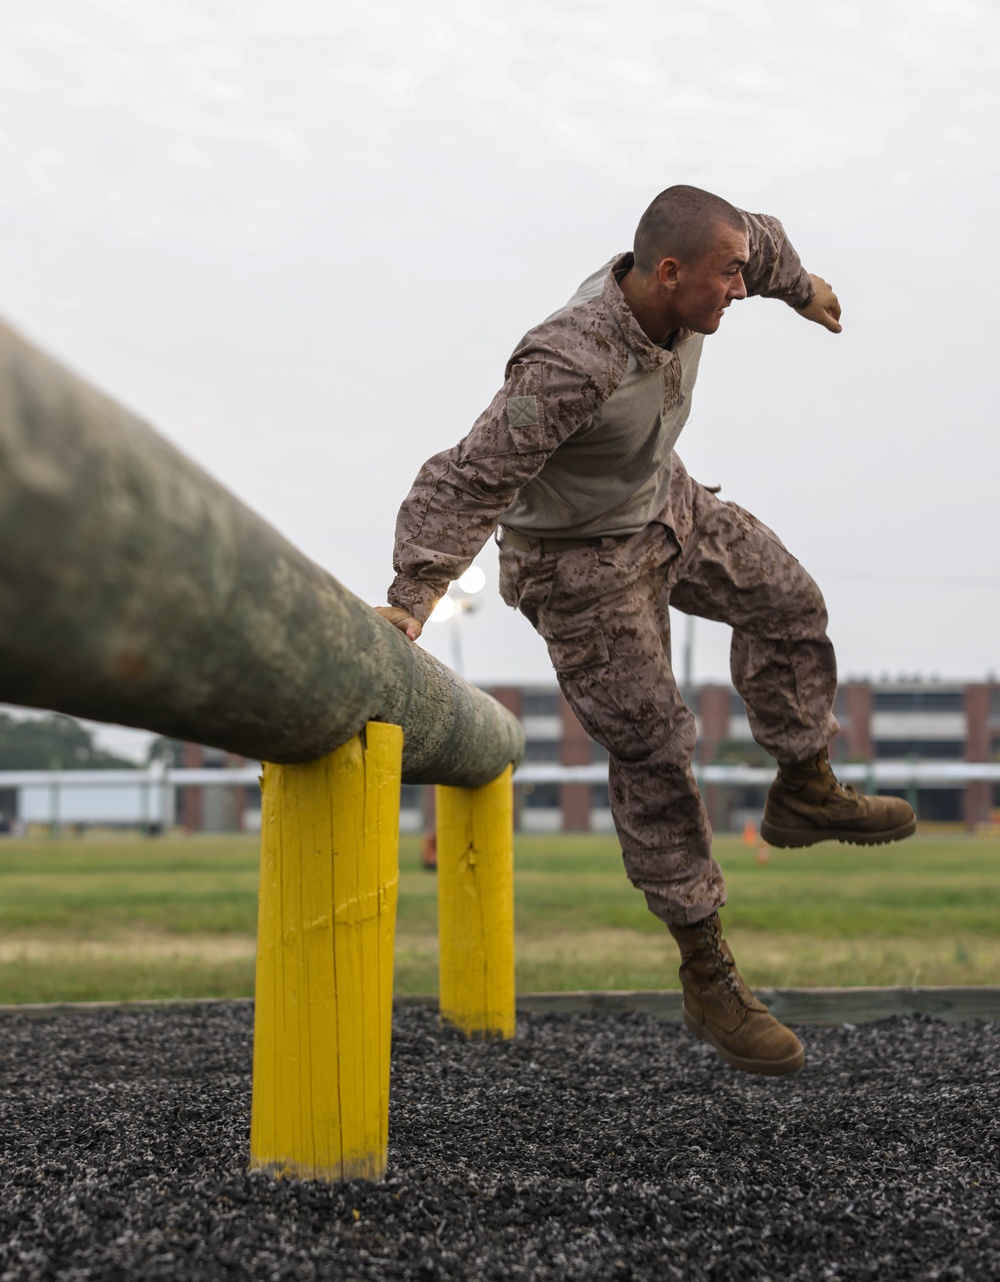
(475, 875)
(323, 1010)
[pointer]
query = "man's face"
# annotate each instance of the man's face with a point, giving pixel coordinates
(705, 288)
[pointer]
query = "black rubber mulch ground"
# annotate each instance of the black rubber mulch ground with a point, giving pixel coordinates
(588, 1148)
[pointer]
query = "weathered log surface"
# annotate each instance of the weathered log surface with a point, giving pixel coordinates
(136, 589)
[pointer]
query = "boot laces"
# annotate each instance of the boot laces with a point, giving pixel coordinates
(797, 777)
(725, 963)
(847, 789)
(826, 768)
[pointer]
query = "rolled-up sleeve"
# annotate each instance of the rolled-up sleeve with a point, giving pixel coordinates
(774, 269)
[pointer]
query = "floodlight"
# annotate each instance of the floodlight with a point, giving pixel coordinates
(473, 580)
(443, 611)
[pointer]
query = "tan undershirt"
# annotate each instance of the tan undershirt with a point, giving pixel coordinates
(612, 476)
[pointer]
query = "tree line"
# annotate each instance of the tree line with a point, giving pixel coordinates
(52, 742)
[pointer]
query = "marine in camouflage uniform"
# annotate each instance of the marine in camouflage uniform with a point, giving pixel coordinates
(601, 529)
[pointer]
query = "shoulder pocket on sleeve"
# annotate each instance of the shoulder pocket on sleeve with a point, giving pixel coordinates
(525, 409)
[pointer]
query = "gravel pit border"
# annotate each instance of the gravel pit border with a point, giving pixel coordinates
(593, 1146)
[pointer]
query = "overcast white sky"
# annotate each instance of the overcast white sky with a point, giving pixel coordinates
(301, 239)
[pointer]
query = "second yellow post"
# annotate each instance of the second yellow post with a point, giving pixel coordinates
(475, 870)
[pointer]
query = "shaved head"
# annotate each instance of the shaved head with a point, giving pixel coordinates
(682, 223)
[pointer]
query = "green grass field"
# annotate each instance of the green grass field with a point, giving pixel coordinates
(86, 920)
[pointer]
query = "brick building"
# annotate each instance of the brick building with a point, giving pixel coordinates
(940, 721)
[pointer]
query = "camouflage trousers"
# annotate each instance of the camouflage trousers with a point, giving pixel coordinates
(602, 610)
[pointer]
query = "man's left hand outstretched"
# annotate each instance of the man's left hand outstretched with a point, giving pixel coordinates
(825, 306)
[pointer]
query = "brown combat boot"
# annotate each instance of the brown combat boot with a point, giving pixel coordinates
(721, 1010)
(807, 804)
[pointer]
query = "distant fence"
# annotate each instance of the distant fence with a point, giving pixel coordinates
(54, 797)
(135, 589)
(879, 774)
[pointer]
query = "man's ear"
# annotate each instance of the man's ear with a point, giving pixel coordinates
(666, 272)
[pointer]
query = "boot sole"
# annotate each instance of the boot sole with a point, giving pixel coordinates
(764, 1067)
(784, 838)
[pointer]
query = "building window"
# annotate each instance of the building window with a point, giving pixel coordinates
(919, 701)
(541, 750)
(923, 749)
(540, 703)
(599, 798)
(541, 796)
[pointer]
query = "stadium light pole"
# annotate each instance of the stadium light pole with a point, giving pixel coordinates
(459, 600)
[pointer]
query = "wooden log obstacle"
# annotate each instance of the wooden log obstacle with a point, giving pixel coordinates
(136, 589)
